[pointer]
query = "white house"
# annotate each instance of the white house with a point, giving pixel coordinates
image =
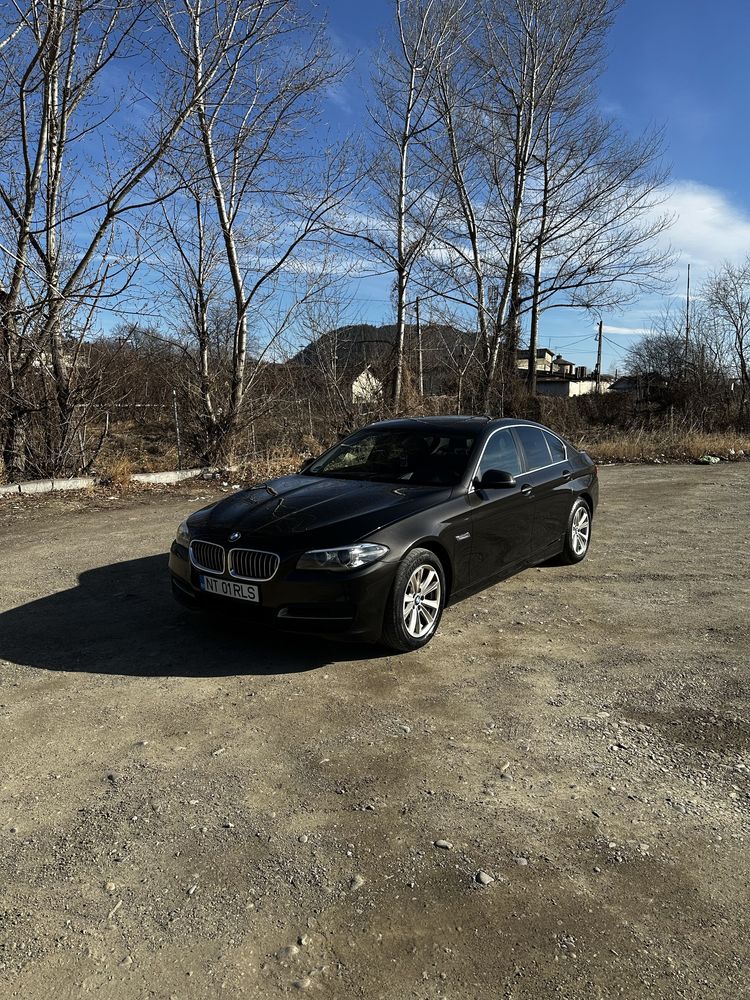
(555, 376)
(366, 387)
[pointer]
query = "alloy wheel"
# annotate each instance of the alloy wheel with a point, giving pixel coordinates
(421, 605)
(580, 530)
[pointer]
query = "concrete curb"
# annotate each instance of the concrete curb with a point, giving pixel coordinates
(165, 477)
(48, 485)
(85, 482)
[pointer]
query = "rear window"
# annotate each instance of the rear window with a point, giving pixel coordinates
(535, 447)
(556, 447)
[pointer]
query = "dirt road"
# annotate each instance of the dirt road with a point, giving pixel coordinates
(189, 812)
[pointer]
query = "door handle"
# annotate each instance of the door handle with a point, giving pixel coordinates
(566, 475)
(526, 490)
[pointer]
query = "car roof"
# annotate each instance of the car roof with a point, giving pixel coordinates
(475, 424)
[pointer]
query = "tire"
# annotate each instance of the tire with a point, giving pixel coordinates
(410, 624)
(577, 534)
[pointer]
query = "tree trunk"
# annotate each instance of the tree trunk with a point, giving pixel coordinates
(14, 447)
(538, 259)
(513, 325)
(398, 347)
(533, 340)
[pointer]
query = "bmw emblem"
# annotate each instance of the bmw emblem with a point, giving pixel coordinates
(235, 536)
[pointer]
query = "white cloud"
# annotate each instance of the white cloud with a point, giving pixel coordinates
(339, 97)
(708, 227)
(636, 331)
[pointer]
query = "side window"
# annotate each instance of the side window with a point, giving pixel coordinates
(535, 447)
(501, 453)
(556, 447)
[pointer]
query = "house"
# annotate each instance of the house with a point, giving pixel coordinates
(572, 385)
(544, 359)
(547, 362)
(366, 387)
(563, 367)
(555, 376)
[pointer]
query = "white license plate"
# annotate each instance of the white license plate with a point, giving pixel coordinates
(228, 588)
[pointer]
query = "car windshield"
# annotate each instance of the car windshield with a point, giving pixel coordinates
(419, 457)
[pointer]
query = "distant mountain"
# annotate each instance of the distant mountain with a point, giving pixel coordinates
(349, 349)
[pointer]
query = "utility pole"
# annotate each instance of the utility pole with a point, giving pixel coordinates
(687, 321)
(420, 369)
(599, 360)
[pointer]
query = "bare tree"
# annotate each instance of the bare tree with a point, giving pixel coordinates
(727, 293)
(404, 199)
(595, 232)
(69, 243)
(696, 373)
(255, 193)
(550, 205)
(332, 357)
(495, 97)
(458, 251)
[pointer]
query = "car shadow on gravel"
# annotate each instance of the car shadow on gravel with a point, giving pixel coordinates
(122, 619)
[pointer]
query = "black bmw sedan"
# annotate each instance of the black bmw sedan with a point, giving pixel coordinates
(375, 536)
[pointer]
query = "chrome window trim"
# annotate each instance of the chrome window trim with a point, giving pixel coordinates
(564, 448)
(252, 579)
(206, 569)
(510, 427)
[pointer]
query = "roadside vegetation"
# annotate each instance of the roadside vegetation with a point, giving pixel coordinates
(183, 215)
(602, 429)
(665, 446)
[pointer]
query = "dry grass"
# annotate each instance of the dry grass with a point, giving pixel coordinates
(277, 462)
(665, 445)
(137, 449)
(625, 446)
(150, 447)
(115, 471)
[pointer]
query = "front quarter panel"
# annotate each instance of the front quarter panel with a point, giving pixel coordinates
(444, 527)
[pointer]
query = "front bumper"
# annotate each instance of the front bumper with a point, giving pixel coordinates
(323, 602)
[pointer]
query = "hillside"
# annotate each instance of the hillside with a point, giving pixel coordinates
(349, 349)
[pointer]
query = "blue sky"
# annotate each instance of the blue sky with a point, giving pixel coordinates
(678, 64)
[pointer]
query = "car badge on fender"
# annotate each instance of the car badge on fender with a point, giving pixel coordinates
(235, 536)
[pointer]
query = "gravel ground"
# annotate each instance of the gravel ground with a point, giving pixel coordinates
(552, 799)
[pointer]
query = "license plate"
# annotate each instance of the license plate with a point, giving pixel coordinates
(228, 588)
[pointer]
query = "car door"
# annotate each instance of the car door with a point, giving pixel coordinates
(501, 519)
(548, 474)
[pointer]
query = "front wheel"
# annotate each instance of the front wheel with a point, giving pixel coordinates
(578, 534)
(416, 602)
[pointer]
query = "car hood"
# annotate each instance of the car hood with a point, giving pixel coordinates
(324, 511)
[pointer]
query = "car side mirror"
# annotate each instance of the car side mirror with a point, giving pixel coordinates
(306, 464)
(496, 479)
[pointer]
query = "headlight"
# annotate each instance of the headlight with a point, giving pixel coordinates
(346, 557)
(183, 535)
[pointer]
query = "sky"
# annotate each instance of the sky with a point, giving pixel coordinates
(680, 65)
